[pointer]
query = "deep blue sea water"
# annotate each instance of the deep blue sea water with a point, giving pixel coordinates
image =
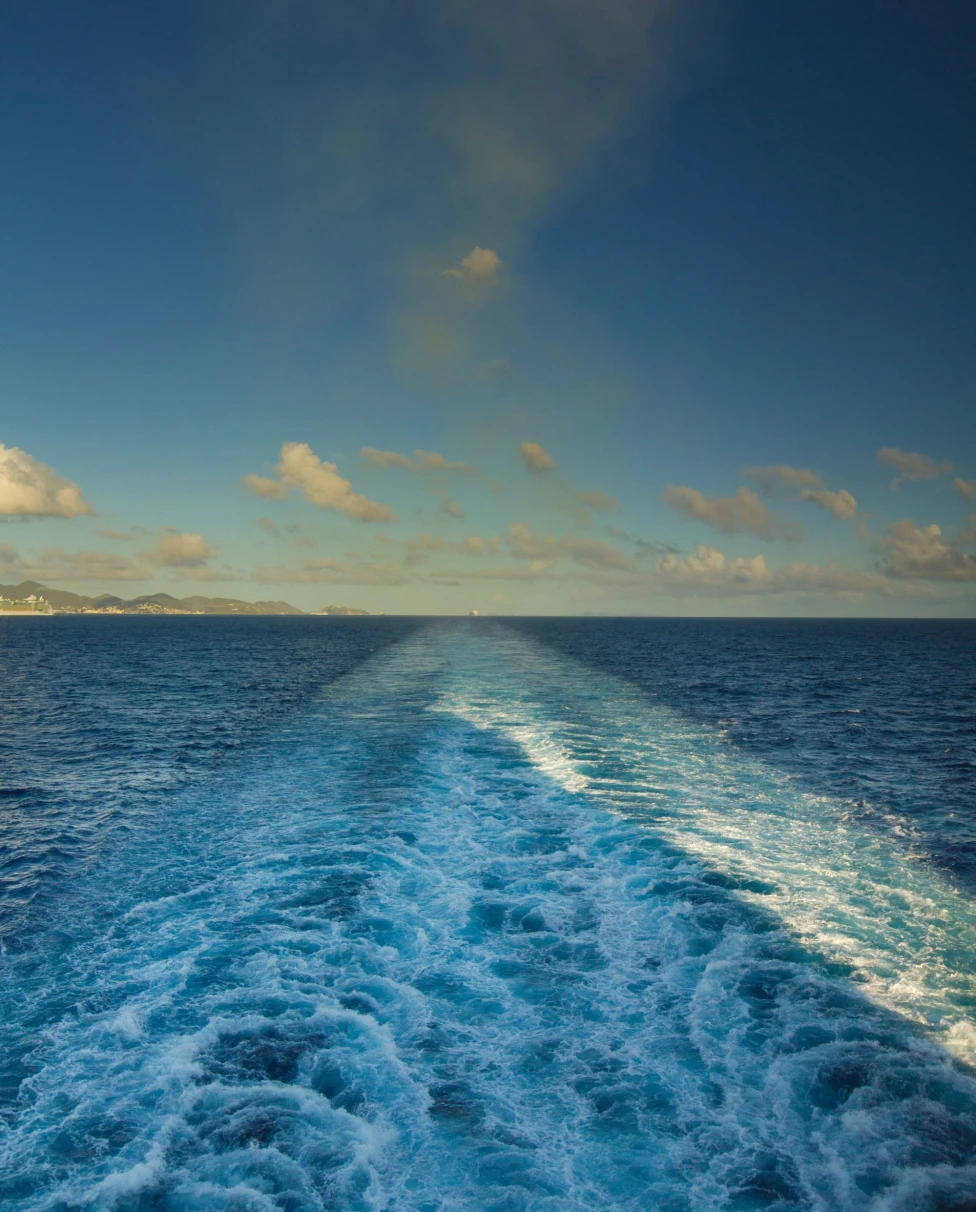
(482, 914)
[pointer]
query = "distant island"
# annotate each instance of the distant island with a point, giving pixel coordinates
(64, 602)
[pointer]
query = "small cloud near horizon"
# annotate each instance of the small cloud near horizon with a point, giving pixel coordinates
(535, 458)
(480, 267)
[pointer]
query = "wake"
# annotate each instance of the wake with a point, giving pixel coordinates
(485, 931)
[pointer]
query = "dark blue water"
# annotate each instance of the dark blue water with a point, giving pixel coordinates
(380, 913)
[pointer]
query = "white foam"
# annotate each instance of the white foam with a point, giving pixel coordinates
(906, 932)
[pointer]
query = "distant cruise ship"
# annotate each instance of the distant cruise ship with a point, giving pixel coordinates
(31, 605)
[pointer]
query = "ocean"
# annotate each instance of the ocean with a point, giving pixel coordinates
(503, 914)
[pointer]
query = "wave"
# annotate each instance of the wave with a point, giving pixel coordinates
(483, 930)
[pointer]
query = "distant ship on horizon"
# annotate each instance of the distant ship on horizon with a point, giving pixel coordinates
(31, 605)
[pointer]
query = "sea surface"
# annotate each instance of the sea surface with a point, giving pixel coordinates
(464, 914)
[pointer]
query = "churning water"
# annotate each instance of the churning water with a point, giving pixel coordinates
(444, 917)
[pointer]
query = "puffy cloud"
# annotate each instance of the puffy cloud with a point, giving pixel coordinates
(535, 458)
(744, 511)
(965, 488)
(423, 460)
(912, 466)
(452, 508)
(525, 544)
(707, 570)
(268, 527)
(180, 550)
(331, 572)
(301, 468)
(598, 501)
(841, 504)
(923, 553)
(779, 475)
(480, 267)
(31, 489)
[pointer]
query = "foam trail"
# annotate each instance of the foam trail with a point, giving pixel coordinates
(393, 964)
(905, 932)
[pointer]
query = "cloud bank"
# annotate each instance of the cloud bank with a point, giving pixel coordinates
(913, 552)
(708, 571)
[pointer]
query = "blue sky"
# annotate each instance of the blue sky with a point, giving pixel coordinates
(670, 248)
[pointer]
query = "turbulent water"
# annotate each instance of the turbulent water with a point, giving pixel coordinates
(365, 914)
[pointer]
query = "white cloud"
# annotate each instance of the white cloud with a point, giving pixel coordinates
(841, 504)
(912, 466)
(480, 267)
(180, 550)
(301, 468)
(922, 552)
(31, 489)
(965, 488)
(423, 460)
(707, 570)
(535, 458)
(779, 475)
(744, 511)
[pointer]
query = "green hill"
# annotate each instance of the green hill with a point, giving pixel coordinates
(62, 599)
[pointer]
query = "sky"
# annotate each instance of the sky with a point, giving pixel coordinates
(536, 307)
